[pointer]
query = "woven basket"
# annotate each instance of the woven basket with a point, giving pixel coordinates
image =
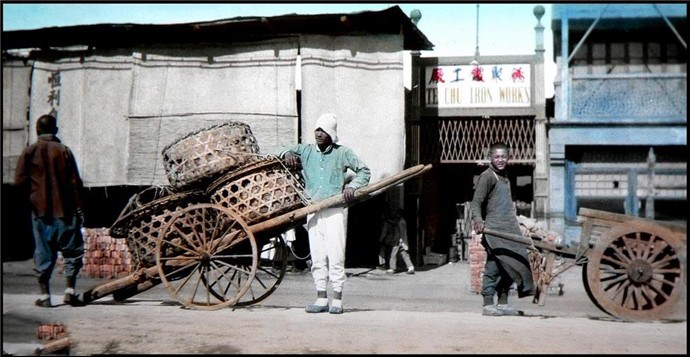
(259, 191)
(146, 222)
(120, 228)
(204, 155)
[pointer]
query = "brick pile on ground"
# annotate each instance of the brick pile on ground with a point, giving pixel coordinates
(104, 256)
(477, 254)
(530, 227)
(51, 331)
(477, 260)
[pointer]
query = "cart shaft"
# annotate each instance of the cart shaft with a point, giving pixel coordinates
(131, 281)
(361, 194)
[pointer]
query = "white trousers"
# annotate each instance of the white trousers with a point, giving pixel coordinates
(327, 245)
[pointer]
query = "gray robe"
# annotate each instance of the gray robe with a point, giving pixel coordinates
(493, 203)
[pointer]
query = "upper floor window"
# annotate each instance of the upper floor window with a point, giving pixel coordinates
(600, 53)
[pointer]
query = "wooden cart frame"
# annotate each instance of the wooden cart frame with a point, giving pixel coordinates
(209, 258)
(632, 268)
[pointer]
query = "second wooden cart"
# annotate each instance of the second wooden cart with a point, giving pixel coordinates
(632, 268)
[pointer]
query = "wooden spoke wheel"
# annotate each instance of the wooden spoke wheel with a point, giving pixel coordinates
(636, 272)
(270, 271)
(201, 251)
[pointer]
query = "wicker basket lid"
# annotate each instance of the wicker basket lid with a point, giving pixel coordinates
(259, 164)
(147, 202)
(203, 155)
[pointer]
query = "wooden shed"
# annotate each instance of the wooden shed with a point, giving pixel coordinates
(122, 92)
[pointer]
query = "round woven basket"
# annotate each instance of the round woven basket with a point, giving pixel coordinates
(146, 222)
(120, 228)
(259, 190)
(204, 155)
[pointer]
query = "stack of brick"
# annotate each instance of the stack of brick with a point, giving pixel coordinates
(477, 254)
(477, 260)
(51, 331)
(530, 227)
(104, 256)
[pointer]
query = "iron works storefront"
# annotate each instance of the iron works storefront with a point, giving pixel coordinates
(458, 110)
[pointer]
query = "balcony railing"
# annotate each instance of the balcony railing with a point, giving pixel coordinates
(640, 98)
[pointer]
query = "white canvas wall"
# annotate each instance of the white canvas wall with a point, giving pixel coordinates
(91, 111)
(15, 103)
(174, 96)
(361, 80)
(117, 113)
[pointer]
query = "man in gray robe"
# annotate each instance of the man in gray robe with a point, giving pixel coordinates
(507, 261)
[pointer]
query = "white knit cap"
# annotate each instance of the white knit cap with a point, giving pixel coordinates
(327, 123)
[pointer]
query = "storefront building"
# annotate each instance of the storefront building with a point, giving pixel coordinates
(618, 141)
(459, 107)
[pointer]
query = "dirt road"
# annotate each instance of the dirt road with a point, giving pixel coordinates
(431, 312)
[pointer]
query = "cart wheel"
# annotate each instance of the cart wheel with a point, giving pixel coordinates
(636, 272)
(201, 251)
(270, 272)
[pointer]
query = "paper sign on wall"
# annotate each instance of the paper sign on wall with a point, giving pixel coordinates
(481, 86)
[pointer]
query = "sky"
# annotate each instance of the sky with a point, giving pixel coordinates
(504, 29)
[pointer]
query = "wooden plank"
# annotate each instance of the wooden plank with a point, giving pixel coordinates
(543, 284)
(586, 233)
(361, 194)
(129, 281)
(54, 346)
(605, 215)
(560, 250)
(610, 217)
(514, 237)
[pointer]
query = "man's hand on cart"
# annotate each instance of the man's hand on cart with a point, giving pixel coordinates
(478, 226)
(292, 160)
(348, 194)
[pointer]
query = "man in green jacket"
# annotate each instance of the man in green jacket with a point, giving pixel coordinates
(325, 167)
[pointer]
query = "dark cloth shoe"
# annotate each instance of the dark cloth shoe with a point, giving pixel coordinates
(336, 310)
(43, 303)
(526, 292)
(509, 311)
(73, 300)
(316, 308)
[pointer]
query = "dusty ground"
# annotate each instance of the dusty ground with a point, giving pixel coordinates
(431, 312)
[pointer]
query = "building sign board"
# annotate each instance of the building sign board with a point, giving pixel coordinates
(480, 86)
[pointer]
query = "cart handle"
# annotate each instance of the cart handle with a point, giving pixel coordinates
(514, 237)
(361, 194)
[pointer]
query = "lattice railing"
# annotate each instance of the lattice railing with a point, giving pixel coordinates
(650, 97)
(468, 140)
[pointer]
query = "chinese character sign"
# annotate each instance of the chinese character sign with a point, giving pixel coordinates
(53, 99)
(480, 86)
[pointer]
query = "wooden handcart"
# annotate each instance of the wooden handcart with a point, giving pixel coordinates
(632, 268)
(210, 255)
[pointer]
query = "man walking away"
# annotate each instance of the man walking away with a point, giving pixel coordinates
(48, 176)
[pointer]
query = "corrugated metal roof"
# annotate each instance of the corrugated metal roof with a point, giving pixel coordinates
(617, 15)
(239, 29)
